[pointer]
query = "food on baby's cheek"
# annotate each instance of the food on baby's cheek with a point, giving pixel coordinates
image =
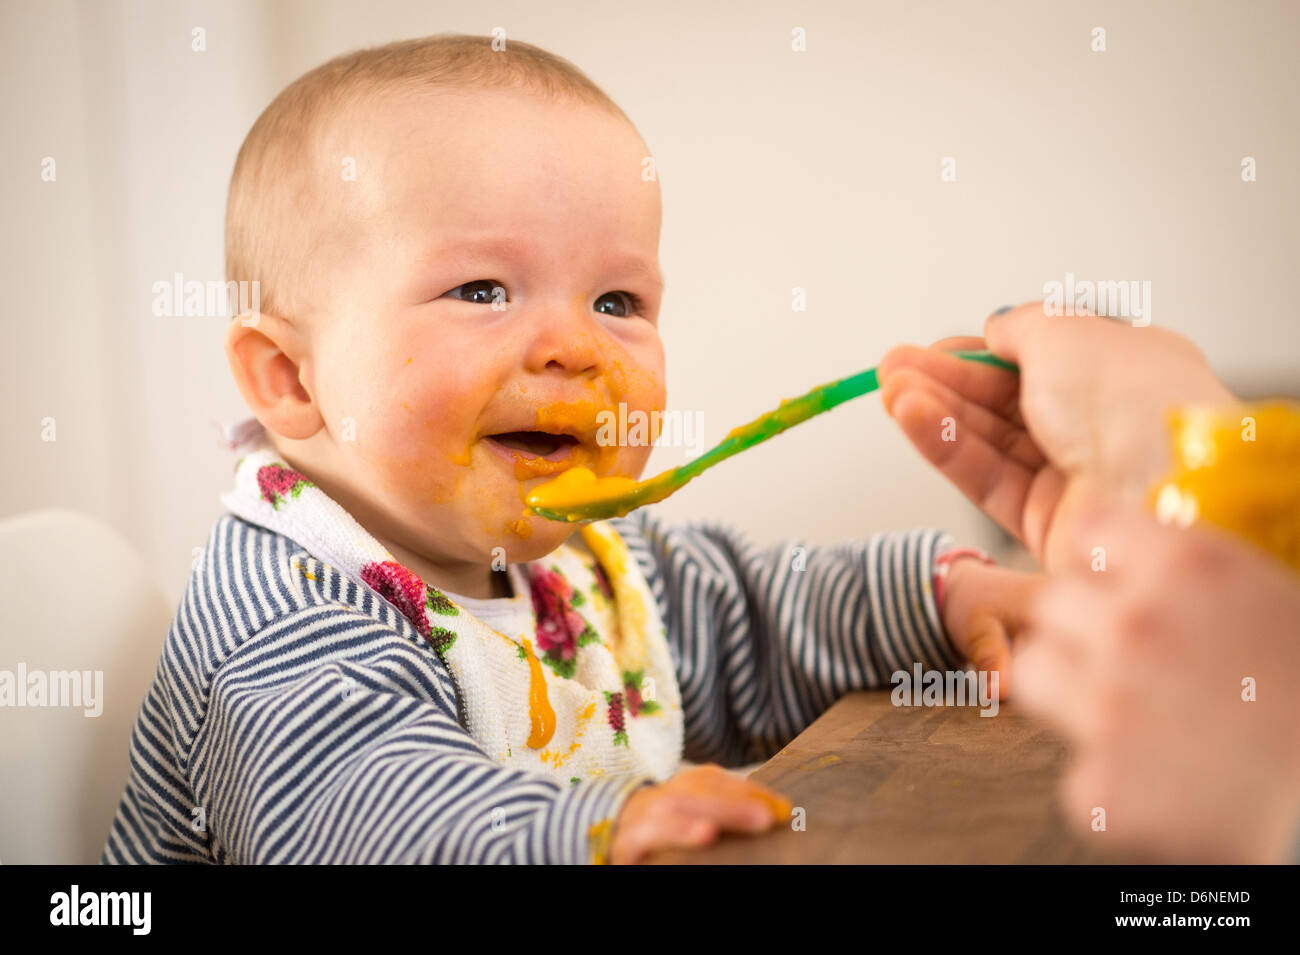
(1239, 469)
(462, 459)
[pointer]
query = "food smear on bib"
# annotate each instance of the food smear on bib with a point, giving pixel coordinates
(540, 713)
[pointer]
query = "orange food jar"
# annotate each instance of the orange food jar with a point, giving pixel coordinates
(1237, 467)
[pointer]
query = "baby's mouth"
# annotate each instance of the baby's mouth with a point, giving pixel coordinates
(535, 444)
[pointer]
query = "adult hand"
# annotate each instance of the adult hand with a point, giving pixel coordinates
(1171, 672)
(1085, 416)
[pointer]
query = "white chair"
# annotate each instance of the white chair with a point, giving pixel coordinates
(74, 598)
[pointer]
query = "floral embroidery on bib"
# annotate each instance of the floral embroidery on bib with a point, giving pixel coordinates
(278, 483)
(560, 628)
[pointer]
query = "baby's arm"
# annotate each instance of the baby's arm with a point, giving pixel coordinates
(767, 639)
(360, 758)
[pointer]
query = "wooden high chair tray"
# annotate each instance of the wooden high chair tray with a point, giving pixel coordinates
(887, 784)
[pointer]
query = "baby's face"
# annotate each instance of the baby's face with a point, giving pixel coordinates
(463, 201)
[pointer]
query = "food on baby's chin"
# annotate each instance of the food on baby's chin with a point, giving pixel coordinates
(1237, 468)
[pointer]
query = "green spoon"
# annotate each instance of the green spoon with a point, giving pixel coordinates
(621, 495)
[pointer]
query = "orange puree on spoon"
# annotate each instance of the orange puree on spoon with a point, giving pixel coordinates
(579, 487)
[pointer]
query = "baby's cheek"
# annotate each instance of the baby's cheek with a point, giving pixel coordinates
(416, 447)
(416, 478)
(634, 377)
(648, 394)
(637, 373)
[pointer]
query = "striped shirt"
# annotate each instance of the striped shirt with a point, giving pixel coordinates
(314, 724)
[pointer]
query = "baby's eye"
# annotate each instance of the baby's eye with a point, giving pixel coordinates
(480, 292)
(630, 304)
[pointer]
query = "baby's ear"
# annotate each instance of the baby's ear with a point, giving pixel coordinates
(266, 355)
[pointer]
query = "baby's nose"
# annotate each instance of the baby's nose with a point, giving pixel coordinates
(567, 337)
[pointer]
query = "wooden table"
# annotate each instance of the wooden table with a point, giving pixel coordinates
(887, 784)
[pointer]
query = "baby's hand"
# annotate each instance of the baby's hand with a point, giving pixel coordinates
(690, 810)
(984, 605)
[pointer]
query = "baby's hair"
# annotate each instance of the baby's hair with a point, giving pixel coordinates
(270, 232)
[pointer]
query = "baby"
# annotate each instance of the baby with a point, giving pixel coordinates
(382, 655)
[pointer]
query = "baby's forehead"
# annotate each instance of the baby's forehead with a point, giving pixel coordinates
(451, 147)
(423, 172)
(386, 140)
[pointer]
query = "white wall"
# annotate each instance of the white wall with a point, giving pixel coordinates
(779, 169)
